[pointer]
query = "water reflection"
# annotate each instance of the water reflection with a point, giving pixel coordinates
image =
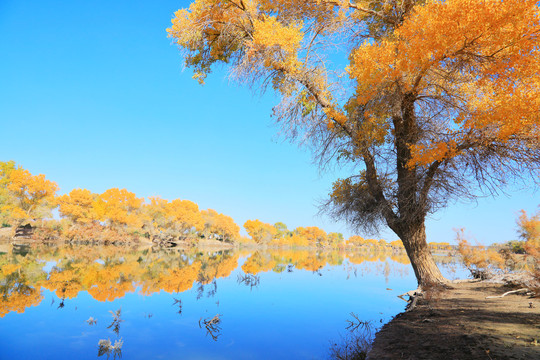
(356, 342)
(161, 297)
(212, 326)
(107, 273)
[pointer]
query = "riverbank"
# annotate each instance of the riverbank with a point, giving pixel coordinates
(462, 323)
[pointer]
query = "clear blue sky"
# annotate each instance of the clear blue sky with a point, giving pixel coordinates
(93, 95)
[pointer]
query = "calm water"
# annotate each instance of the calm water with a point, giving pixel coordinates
(270, 305)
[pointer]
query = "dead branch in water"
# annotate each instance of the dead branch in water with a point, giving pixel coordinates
(249, 280)
(356, 324)
(212, 326)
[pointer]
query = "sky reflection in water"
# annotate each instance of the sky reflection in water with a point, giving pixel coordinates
(291, 305)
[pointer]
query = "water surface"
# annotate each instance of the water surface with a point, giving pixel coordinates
(270, 304)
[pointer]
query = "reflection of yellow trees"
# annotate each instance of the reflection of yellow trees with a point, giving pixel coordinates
(174, 280)
(109, 282)
(397, 244)
(311, 263)
(66, 284)
(401, 258)
(110, 272)
(258, 262)
(16, 292)
(221, 266)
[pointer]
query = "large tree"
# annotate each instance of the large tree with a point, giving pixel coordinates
(439, 99)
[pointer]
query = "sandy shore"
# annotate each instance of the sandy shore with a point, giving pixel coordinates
(462, 324)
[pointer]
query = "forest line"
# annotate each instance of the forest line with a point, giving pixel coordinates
(120, 215)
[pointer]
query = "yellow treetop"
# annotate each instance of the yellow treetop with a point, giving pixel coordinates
(29, 193)
(260, 232)
(184, 214)
(78, 206)
(118, 207)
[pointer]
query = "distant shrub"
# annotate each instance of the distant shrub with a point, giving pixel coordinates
(481, 262)
(516, 247)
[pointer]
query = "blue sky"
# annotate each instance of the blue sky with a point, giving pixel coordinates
(93, 95)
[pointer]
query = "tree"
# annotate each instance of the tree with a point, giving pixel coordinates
(335, 239)
(6, 167)
(281, 230)
(313, 234)
(529, 229)
(261, 233)
(356, 240)
(219, 225)
(78, 206)
(118, 207)
(185, 216)
(439, 100)
(30, 196)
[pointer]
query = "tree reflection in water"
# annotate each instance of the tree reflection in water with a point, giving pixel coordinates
(212, 326)
(106, 273)
(356, 342)
(110, 272)
(249, 280)
(178, 303)
(105, 347)
(115, 324)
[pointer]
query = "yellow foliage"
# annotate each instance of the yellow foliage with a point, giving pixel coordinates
(184, 214)
(478, 258)
(30, 195)
(260, 232)
(66, 283)
(78, 206)
(220, 225)
(9, 269)
(257, 263)
(313, 235)
(268, 32)
(497, 44)
(118, 207)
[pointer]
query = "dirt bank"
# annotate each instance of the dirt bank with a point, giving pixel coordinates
(462, 324)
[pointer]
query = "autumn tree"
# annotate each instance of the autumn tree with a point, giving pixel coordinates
(220, 226)
(281, 230)
(439, 99)
(6, 167)
(529, 229)
(153, 216)
(118, 208)
(29, 197)
(184, 216)
(78, 206)
(313, 234)
(335, 239)
(261, 233)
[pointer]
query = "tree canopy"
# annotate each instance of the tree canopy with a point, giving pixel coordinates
(440, 99)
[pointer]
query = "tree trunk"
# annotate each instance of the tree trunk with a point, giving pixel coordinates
(426, 271)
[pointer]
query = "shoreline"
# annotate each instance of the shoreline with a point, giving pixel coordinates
(461, 323)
